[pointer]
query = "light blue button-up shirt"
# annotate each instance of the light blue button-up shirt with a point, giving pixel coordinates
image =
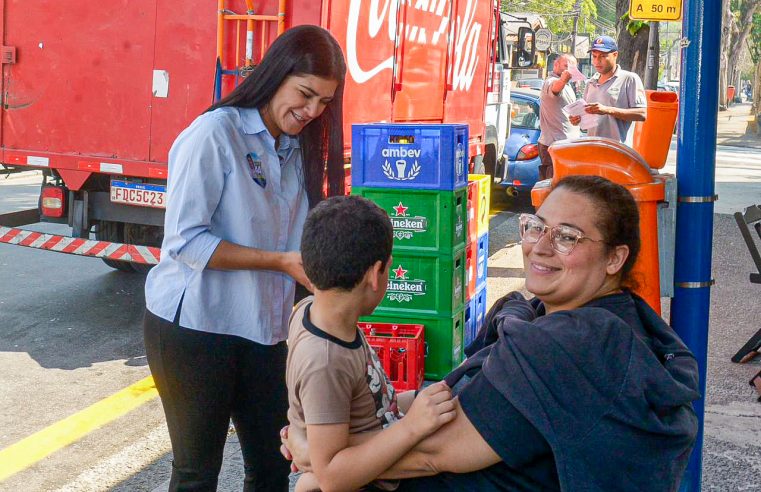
(227, 181)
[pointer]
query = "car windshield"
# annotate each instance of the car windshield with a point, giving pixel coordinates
(525, 113)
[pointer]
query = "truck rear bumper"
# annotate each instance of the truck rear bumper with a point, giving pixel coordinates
(9, 234)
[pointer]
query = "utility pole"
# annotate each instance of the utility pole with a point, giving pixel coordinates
(577, 10)
(651, 68)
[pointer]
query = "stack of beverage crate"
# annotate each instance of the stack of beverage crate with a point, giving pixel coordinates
(476, 253)
(418, 175)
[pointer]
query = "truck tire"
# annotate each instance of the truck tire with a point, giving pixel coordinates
(113, 232)
(490, 161)
(477, 165)
(146, 235)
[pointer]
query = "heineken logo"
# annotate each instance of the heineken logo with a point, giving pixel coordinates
(403, 289)
(405, 226)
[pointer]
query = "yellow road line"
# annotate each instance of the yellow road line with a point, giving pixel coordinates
(32, 449)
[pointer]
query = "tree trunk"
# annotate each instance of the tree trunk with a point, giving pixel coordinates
(756, 109)
(738, 41)
(726, 34)
(632, 50)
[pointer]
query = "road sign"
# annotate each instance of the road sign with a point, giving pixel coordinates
(542, 39)
(655, 10)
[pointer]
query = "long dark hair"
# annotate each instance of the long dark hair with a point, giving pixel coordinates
(303, 50)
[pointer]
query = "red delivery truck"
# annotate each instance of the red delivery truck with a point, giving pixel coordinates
(94, 94)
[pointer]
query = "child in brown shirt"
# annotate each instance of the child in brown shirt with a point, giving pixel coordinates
(336, 384)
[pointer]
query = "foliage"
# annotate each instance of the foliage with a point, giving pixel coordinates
(559, 14)
(633, 26)
(755, 40)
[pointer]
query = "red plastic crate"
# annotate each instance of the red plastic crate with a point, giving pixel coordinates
(473, 191)
(401, 350)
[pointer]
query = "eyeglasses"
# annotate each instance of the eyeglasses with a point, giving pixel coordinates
(562, 238)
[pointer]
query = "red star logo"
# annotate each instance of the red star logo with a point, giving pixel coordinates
(401, 273)
(400, 210)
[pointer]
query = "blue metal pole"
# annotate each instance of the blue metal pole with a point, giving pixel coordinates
(695, 170)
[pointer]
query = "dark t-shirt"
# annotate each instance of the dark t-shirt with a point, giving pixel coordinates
(527, 461)
(598, 398)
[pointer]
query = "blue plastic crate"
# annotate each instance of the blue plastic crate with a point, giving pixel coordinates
(469, 332)
(480, 308)
(482, 261)
(420, 156)
(475, 314)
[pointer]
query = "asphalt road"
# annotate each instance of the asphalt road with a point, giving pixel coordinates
(70, 336)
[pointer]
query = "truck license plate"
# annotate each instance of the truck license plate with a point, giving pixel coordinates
(140, 194)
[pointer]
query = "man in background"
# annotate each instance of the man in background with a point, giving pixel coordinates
(557, 93)
(615, 94)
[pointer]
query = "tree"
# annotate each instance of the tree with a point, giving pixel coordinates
(559, 14)
(737, 26)
(746, 12)
(632, 40)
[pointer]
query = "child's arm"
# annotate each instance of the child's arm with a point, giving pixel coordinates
(340, 466)
(307, 483)
(404, 400)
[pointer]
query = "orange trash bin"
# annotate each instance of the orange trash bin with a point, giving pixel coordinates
(615, 161)
(652, 137)
(730, 93)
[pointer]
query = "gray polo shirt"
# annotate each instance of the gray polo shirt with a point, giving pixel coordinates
(623, 90)
(552, 120)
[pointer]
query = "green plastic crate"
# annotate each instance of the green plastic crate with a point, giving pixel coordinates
(424, 220)
(428, 285)
(443, 338)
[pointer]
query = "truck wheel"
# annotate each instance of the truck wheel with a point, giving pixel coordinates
(477, 165)
(145, 235)
(490, 162)
(113, 232)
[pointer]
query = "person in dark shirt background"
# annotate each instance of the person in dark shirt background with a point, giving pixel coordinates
(583, 387)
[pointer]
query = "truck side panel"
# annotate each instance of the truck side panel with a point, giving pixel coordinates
(185, 55)
(81, 83)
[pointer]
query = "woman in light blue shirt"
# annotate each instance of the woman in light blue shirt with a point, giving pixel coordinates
(242, 177)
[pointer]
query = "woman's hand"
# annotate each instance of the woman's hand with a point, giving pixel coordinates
(575, 120)
(291, 265)
(299, 458)
(432, 408)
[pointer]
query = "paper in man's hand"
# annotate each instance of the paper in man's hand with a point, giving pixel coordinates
(576, 75)
(578, 109)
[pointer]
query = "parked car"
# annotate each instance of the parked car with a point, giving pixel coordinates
(530, 83)
(522, 150)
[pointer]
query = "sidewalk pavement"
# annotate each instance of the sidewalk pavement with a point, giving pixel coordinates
(732, 126)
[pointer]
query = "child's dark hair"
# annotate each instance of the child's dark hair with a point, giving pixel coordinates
(343, 237)
(618, 216)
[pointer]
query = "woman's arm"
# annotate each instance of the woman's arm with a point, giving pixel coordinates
(230, 256)
(339, 465)
(456, 447)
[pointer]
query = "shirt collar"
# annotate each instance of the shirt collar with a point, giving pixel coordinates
(253, 124)
(596, 77)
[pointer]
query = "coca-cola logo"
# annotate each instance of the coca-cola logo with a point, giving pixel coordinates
(367, 19)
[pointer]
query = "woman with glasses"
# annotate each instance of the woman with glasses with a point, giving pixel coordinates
(584, 386)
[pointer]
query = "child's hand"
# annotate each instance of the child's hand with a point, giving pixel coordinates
(432, 408)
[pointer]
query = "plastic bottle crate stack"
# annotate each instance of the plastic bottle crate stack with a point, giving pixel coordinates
(418, 175)
(477, 254)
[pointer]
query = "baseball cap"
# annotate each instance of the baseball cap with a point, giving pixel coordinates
(606, 44)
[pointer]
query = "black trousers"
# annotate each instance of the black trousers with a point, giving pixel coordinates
(204, 380)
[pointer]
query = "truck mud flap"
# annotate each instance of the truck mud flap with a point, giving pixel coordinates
(148, 255)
